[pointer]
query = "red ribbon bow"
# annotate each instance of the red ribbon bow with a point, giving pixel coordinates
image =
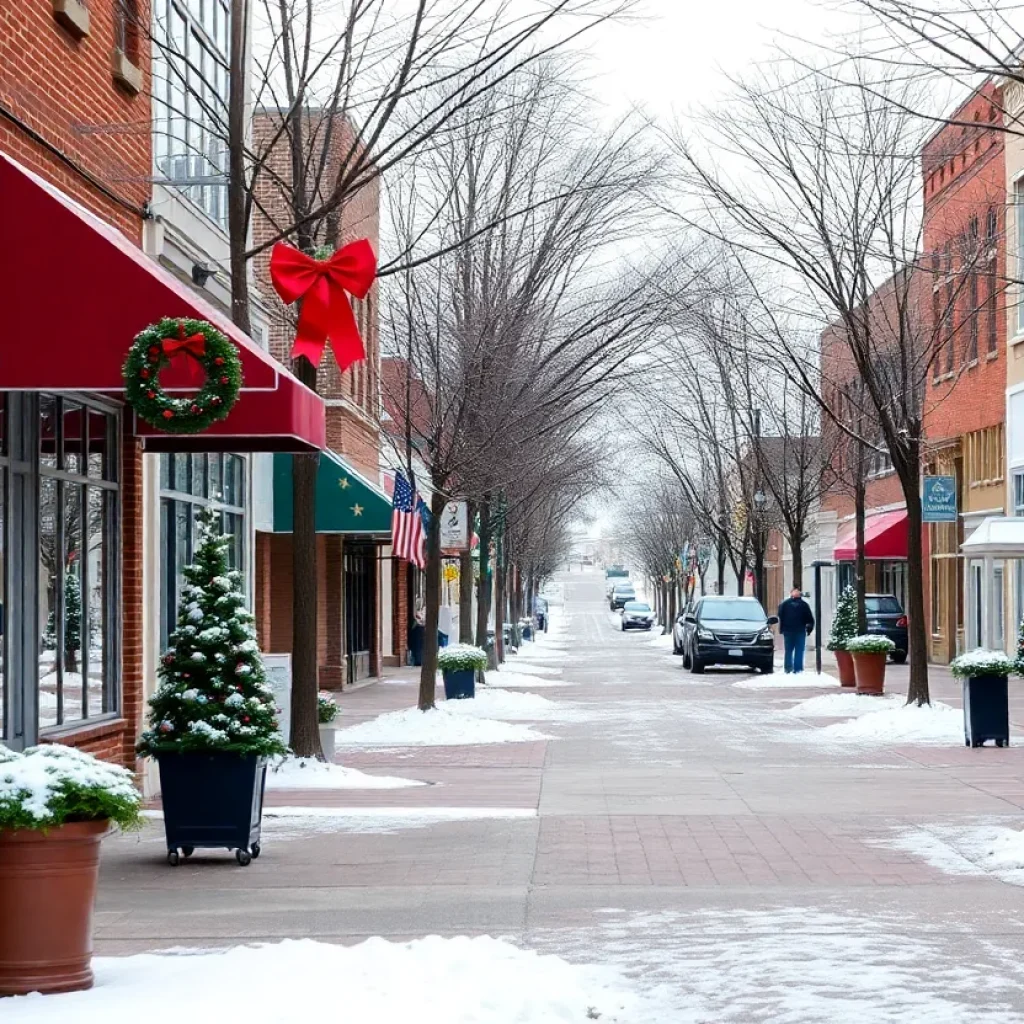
(322, 284)
(194, 345)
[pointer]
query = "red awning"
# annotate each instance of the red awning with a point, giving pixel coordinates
(74, 294)
(885, 536)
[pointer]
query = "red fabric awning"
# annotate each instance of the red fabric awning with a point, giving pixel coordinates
(885, 536)
(75, 292)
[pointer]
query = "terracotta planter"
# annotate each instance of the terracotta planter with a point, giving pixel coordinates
(870, 672)
(47, 890)
(844, 662)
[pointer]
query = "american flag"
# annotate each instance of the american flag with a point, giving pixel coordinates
(408, 523)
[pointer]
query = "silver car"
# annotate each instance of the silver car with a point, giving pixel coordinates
(637, 615)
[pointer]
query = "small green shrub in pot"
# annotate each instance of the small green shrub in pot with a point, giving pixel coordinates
(844, 623)
(327, 711)
(51, 785)
(461, 658)
(870, 643)
(982, 662)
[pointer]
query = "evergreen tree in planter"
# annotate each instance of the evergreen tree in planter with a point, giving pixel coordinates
(1019, 669)
(72, 622)
(844, 629)
(212, 723)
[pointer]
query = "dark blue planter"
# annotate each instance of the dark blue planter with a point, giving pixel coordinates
(212, 801)
(460, 684)
(986, 711)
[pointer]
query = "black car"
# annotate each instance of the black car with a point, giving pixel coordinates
(637, 615)
(726, 631)
(886, 617)
(621, 593)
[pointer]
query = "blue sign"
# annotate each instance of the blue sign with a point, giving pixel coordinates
(938, 499)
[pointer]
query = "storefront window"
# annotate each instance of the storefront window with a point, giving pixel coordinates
(77, 545)
(3, 570)
(187, 483)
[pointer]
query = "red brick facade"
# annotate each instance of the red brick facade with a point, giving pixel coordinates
(67, 117)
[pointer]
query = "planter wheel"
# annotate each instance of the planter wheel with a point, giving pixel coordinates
(1002, 743)
(187, 851)
(255, 850)
(173, 858)
(244, 857)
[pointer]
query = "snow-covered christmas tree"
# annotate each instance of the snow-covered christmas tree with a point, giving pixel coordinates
(72, 622)
(213, 694)
(1020, 649)
(844, 624)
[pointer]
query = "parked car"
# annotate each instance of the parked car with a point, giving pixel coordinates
(886, 617)
(725, 631)
(637, 615)
(621, 593)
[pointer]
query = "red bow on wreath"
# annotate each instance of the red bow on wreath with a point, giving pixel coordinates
(194, 345)
(322, 284)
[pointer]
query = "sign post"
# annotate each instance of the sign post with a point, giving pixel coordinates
(938, 499)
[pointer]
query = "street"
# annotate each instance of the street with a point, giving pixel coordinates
(736, 862)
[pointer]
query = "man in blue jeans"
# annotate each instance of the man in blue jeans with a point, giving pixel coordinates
(796, 620)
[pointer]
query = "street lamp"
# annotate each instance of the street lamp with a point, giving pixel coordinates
(760, 500)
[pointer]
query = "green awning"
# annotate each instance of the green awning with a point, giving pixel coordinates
(346, 502)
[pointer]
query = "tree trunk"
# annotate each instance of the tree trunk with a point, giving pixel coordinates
(720, 555)
(797, 551)
(466, 597)
(667, 621)
(483, 587)
(499, 612)
(305, 721)
(860, 570)
(432, 605)
(917, 655)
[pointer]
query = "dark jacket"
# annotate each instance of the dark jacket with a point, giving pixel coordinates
(795, 615)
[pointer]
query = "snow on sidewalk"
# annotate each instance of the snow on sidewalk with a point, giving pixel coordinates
(842, 705)
(439, 727)
(788, 681)
(430, 981)
(491, 701)
(902, 723)
(513, 677)
(966, 849)
(308, 773)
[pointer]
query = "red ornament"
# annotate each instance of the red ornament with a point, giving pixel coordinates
(154, 357)
(194, 409)
(154, 350)
(185, 675)
(219, 361)
(144, 374)
(224, 380)
(245, 719)
(168, 414)
(151, 394)
(215, 400)
(168, 659)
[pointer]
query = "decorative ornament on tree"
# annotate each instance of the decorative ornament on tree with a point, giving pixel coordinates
(202, 346)
(186, 712)
(322, 286)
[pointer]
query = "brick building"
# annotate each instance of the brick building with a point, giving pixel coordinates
(76, 163)
(354, 591)
(964, 175)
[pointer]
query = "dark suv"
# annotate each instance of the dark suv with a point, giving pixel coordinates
(886, 616)
(726, 631)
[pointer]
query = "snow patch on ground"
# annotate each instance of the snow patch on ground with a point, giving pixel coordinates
(491, 702)
(936, 723)
(782, 681)
(531, 669)
(966, 849)
(442, 981)
(440, 727)
(514, 678)
(307, 773)
(799, 965)
(841, 705)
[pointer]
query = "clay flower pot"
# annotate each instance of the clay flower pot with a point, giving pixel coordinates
(47, 889)
(869, 669)
(844, 662)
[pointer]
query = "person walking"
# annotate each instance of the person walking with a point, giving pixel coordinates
(796, 620)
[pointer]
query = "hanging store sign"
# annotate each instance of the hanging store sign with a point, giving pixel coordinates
(455, 527)
(938, 499)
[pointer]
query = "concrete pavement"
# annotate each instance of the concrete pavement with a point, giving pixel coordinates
(678, 826)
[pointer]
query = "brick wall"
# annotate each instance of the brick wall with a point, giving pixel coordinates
(64, 91)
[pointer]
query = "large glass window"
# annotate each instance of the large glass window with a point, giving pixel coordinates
(188, 482)
(1018, 212)
(77, 542)
(190, 97)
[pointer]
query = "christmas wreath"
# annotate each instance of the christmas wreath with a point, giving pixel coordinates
(152, 351)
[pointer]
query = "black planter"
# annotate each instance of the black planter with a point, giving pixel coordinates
(212, 801)
(459, 684)
(986, 711)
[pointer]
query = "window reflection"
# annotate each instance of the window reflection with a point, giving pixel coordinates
(74, 433)
(98, 559)
(50, 702)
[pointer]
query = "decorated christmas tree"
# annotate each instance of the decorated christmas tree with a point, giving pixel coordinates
(213, 694)
(1019, 663)
(844, 624)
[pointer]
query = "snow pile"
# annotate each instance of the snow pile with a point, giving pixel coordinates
(497, 703)
(507, 677)
(442, 981)
(841, 705)
(308, 773)
(966, 850)
(792, 681)
(902, 723)
(440, 727)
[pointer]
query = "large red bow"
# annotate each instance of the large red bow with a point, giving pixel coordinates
(322, 284)
(194, 345)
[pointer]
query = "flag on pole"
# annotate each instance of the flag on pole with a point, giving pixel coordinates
(407, 523)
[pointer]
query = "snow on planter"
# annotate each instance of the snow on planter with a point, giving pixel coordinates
(439, 727)
(442, 981)
(982, 662)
